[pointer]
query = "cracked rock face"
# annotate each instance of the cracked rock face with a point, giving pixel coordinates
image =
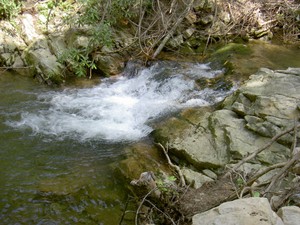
(266, 105)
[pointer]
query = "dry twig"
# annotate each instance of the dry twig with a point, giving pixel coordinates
(141, 204)
(295, 158)
(255, 153)
(172, 30)
(177, 168)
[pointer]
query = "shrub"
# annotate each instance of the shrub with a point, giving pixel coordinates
(77, 61)
(9, 9)
(101, 16)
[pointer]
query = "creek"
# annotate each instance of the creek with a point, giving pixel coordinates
(57, 145)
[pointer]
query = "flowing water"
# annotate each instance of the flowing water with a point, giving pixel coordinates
(57, 144)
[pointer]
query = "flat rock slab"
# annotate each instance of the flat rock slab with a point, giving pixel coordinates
(264, 106)
(290, 215)
(240, 212)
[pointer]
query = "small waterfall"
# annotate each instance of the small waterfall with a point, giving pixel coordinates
(120, 108)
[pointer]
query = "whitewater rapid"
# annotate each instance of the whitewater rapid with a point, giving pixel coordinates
(120, 108)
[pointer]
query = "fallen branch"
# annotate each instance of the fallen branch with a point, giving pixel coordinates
(166, 215)
(124, 212)
(5, 68)
(14, 67)
(255, 153)
(289, 164)
(177, 168)
(141, 204)
(263, 172)
(295, 158)
(172, 30)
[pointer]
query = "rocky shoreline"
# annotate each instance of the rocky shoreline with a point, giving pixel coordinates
(206, 143)
(34, 42)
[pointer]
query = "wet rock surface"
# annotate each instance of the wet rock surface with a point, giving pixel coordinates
(260, 109)
(266, 105)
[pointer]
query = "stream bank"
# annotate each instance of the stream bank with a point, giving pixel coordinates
(230, 131)
(207, 142)
(47, 40)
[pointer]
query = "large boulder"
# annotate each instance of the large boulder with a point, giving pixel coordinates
(290, 215)
(268, 101)
(29, 30)
(192, 139)
(10, 46)
(247, 211)
(264, 106)
(43, 63)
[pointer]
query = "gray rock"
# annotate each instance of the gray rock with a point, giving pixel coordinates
(29, 31)
(268, 101)
(110, 64)
(290, 215)
(175, 42)
(44, 64)
(189, 32)
(81, 42)
(267, 85)
(263, 107)
(247, 169)
(9, 38)
(206, 20)
(198, 145)
(210, 174)
(10, 44)
(7, 59)
(57, 45)
(229, 129)
(18, 62)
(195, 178)
(247, 211)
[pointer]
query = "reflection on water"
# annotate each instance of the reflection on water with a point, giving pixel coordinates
(57, 145)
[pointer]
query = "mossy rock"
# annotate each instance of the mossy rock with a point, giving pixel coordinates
(222, 56)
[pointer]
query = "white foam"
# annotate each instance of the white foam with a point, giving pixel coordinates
(120, 109)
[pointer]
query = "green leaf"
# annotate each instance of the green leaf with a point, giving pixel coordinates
(256, 194)
(172, 178)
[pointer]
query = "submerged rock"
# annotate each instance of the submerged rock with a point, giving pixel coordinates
(141, 158)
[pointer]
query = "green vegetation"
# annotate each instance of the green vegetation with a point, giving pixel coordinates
(9, 9)
(100, 16)
(78, 61)
(96, 12)
(221, 56)
(165, 186)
